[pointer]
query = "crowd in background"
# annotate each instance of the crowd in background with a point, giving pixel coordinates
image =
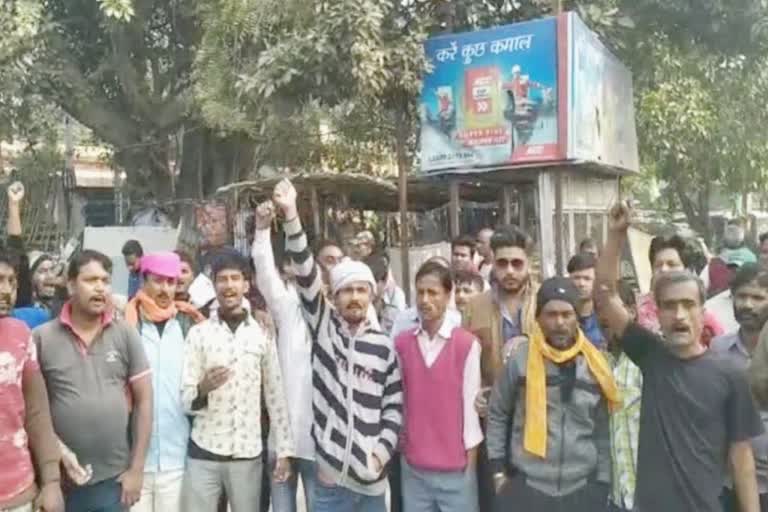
(493, 391)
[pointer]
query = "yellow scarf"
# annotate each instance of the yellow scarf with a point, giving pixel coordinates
(535, 440)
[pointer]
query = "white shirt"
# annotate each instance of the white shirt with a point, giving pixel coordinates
(721, 307)
(430, 350)
(409, 319)
(294, 345)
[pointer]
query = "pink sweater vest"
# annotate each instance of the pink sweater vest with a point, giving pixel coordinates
(434, 402)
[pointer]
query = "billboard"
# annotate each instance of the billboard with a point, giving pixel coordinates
(601, 111)
(540, 92)
(490, 97)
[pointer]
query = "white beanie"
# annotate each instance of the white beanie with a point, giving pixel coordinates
(348, 272)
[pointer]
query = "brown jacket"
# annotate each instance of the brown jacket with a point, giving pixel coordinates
(483, 318)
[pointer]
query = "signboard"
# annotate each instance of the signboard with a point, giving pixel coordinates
(539, 92)
(601, 112)
(490, 98)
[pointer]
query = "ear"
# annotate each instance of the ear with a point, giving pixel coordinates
(247, 286)
(70, 287)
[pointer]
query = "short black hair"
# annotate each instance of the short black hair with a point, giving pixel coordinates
(678, 277)
(749, 273)
(581, 261)
(465, 241)
(326, 242)
(230, 261)
(85, 257)
(379, 267)
(675, 242)
(133, 248)
(587, 243)
(468, 276)
(10, 259)
(763, 238)
(185, 257)
(510, 236)
(436, 269)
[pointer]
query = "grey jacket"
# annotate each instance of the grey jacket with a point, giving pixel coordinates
(578, 440)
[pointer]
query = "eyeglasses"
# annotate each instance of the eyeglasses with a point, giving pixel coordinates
(515, 263)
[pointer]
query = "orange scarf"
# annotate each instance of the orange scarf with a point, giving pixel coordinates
(535, 435)
(154, 313)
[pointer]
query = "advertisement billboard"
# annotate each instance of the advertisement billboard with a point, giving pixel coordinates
(490, 97)
(601, 112)
(542, 92)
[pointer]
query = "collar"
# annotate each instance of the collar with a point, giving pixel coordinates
(66, 316)
(249, 321)
(738, 345)
(444, 331)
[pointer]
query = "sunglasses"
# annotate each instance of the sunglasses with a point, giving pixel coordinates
(514, 263)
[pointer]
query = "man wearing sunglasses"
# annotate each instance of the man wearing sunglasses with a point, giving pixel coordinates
(501, 318)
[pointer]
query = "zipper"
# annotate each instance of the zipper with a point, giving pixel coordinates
(562, 452)
(350, 412)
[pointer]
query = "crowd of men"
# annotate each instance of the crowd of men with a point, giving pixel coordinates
(493, 392)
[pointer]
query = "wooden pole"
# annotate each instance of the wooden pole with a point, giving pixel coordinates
(315, 205)
(557, 7)
(401, 141)
(453, 209)
(506, 205)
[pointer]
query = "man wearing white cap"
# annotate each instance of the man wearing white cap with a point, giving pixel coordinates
(357, 398)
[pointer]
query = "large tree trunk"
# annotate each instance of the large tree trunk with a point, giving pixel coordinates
(209, 162)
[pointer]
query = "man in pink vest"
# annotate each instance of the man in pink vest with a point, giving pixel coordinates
(440, 368)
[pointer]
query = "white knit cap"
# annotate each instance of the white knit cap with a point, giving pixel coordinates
(348, 272)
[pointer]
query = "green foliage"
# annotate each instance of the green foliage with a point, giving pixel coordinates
(118, 9)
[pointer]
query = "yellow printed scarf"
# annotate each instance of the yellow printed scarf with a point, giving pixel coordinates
(535, 439)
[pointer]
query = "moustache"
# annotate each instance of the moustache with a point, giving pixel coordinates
(5, 298)
(354, 305)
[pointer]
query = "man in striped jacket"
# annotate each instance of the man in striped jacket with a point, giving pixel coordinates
(357, 398)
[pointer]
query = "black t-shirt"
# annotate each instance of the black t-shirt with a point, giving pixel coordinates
(692, 411)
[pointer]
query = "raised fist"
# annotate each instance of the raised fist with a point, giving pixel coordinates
(16, 192)
(284, 198)
(620, 217)
(265, 213)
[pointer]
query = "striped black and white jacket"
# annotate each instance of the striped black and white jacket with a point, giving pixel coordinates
(357, 397)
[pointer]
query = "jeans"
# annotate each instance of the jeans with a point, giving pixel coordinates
(284, 493)
(517, 495)
(103, 496)
(428, 491)
(206, 481)
(161, 492)
(334, 498)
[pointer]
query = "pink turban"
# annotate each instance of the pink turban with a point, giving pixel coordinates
(163, 264)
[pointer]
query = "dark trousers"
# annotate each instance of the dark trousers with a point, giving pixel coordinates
(731, 502)
(519, 496)
(395, 484)
(99, 497)
(485, 490)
